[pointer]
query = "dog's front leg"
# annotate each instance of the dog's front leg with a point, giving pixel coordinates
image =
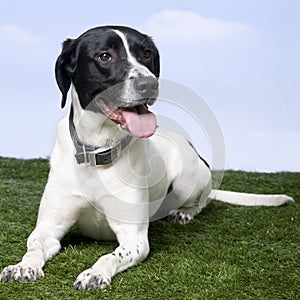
(44, 242)
(41, 246)
(133, 249)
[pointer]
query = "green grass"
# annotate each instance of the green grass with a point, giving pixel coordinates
(227, 252)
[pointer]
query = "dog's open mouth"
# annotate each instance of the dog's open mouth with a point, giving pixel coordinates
(137, 119)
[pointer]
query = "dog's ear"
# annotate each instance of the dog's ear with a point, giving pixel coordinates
(156, 60)
(65, 67)
(156, 63)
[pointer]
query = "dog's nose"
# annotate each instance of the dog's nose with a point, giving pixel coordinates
(147, 87)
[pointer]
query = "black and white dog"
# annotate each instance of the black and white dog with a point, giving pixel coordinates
(112, 167)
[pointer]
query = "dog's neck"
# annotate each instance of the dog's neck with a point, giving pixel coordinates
(94, 128)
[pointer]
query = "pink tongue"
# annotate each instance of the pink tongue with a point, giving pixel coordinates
(140, 121)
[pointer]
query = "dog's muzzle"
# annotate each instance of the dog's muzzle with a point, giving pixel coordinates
(127, 105)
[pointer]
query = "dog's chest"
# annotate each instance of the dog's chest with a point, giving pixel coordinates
(93, 223)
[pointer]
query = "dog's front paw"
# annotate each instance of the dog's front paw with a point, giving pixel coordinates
(91, 279)
(21, 274)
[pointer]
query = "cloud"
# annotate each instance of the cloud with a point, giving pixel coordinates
(15, 34)
(172, 25)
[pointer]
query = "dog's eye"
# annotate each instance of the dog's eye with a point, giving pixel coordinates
(147, 54)
(105, 57)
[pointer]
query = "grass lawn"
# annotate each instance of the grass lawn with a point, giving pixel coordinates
(227, 252)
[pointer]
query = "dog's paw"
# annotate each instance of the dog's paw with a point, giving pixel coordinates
(91, 279)
(21, 274)
(182, 216)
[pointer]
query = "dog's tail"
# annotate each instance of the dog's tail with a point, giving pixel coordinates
(249, 199)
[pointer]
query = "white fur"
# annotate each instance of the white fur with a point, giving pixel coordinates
(249, 199)
(108, 203)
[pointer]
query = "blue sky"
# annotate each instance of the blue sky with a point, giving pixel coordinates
(242, 57)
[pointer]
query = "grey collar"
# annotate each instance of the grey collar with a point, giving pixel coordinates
(92, 155)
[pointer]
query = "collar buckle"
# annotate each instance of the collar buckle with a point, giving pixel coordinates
(100, 157)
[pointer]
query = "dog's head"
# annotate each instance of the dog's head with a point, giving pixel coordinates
(114, 70)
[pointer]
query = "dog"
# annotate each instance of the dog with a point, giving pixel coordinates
(112, 167)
